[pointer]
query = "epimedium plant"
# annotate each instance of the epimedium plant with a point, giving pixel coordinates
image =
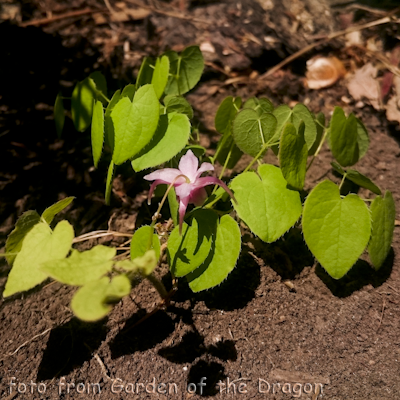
(148, 124)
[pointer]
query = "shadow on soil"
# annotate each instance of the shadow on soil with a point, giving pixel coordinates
(360, 275)
(68, 347)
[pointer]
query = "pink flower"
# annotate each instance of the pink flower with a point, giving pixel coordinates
(189, 186)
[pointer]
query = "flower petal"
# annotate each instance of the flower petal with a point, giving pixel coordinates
(210, 180)
(184, 190)
(183, 203)
(152, 187)
(198, 196)
(188, 165)
(203, 168)
(167, 175)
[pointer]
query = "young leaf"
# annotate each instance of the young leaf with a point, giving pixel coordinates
(358, 178)
(226, 112)
(320, 124)
(222, 258)
(59, 114)
(140, 241)
(134, 123)
(336, 230)
(178, 104)
(92, 301)
(283, 115)
(251, 132)
(362, 139)
(301, 113)
(110, 175)
(160, 75)
(14, 241)
(82, 104)
(145, 72)
(129, 91)
(97, 131)
(185, 70)
(81, 268)
(293, 155)
(170, 138)
(173, 206)
(50, 212)
(383, 214)
(343, 138)
(189, 250)
(39, 245)
(266, 205)
(101, 85)
(108, 123)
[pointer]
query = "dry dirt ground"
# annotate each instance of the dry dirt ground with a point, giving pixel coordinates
(279, 327)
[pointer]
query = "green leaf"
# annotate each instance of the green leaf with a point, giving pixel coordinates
(81, 268)
(226, 112)
(336, 230)
(185, 70)
(110, 175)
(222, 258)
(160, 75)
(92, 301)
(50, 212)
(134, 123)
(343, 138)
(301, 113)
(39, 245)
(358, 178)
(140, 242)
(129, 91)
(82, 100)
(100, 84)
(14, 241)
(59, 114)
(251, 131)
(170, 138)
(362, 139)
(266, 205)
(283, 115)
(189, 250)
(97, 131)
(293, 155)
(145, 72)
(179, 105)
(320, 118)
(259, 105)
(383, 214)
(108, 123)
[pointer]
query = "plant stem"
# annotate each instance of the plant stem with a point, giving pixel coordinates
(265, 147)
(158, 285)
(103, 96)
(341, 183)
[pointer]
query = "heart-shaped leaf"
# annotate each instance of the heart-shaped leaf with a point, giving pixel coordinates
(221, 259)
(81, 268)
(170, 138)
(93, 301)
(265, 203)
(252, 132)
(108, 123)
(336, 230)
(134, 123)
(383, 214)
(41, 244)
(160, 75)
(178, 104)
(82, 104)
(189, 250)
(259, 105)
(301, 113)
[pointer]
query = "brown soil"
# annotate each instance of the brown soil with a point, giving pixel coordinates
(277, 319)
